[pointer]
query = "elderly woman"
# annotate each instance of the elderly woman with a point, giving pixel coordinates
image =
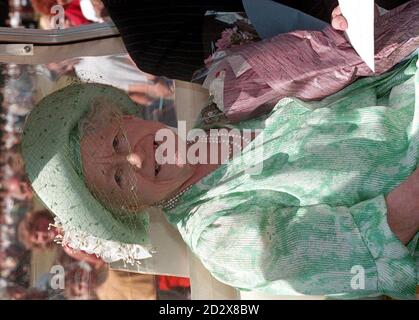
(296, 201)
(289, 203)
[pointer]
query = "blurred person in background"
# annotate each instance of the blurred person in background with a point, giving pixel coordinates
(94, 262)
(17, 292)
(17, 189)
(7, 263)
(10, 139)
(19, 109)
(9, 127)
(73, 14)
(13, 162)
(81, 278)
(80, 282)
(19, 273)
(173, 288)
(122, 285)
(34, 232)
(155, 93)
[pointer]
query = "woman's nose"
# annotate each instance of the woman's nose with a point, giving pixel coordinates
(135, 160)
(136, 157)
(133, 157)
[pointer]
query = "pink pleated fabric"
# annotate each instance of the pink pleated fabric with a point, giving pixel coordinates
(311, 65)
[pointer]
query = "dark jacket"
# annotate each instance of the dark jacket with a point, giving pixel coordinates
(165, 37)
(4, 12)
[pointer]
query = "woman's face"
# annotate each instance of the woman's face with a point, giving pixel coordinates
(41, 233)
(19, 189)
(120, 166)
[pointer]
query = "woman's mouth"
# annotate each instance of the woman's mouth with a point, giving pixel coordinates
(163, 157)
(157, 166)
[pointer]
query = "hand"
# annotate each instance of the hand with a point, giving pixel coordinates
(146, 93)
(403, 209)
(338, 20)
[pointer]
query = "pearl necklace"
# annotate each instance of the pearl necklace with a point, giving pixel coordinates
(211, 138)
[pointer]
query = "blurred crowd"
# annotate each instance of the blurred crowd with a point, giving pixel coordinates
(23, 227)
(25, 230)
(15, 192)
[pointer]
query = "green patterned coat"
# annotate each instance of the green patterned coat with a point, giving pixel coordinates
(316, 213)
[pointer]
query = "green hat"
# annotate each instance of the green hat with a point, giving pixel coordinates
(53, 165)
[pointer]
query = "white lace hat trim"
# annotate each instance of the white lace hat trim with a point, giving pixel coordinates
(108, 251)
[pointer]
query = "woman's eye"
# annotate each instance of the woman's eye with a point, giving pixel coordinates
(118, 178)
(115, 143)
(156, 169)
